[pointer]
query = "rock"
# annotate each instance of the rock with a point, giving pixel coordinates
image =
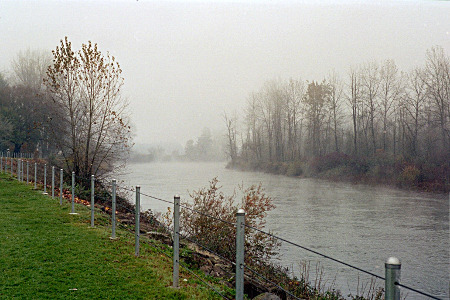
(219, 270)
(206, 269)
(267, 296)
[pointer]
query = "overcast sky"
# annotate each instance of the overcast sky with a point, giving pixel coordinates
(185, 63)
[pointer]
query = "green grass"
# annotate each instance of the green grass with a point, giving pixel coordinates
(45, 253)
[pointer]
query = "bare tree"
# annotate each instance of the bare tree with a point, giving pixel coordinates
(414, 102)
(353, 100)
(29, 68)
(436, 77)
(335, 105)
(231, 124)
(294, 93)
(86, 85)
(390, 91)
(371, 88)
(254, 128)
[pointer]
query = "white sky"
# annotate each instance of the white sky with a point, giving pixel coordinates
(185, 63)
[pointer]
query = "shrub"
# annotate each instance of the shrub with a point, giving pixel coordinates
(295, 169)
(409, 176)
(329, 161)
(219, 236)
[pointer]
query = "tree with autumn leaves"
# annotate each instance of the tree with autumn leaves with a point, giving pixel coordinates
(91, 127)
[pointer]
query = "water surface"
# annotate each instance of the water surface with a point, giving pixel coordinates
(359, 224)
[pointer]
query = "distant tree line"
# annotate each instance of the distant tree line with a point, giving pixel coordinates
(375, 111)
(66, 105)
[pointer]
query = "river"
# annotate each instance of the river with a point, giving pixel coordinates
(358, 224)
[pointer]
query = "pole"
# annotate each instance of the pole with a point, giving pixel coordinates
(45, 178)
(392, 272)
(35, 175)
(60, 186)
(73, 194)
(92, 199)
(53, 182)
(176, 241)
(137, 217)
(113, 208)
(28, 169)
(240, 239)
(6, 161)
(22, 175)
(18, 170)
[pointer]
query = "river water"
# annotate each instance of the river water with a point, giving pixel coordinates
(359, 224)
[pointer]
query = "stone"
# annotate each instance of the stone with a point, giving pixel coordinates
(267, 296)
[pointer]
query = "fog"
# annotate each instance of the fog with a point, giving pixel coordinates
(185, 63)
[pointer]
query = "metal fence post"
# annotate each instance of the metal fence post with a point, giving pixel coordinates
(18, 170)
(45, 178)
(21, 168)
(1, 164)
(35, 175)
(113, 210)
(12, 166)
(176, 241)
(60, 186)
(92, 199)
(28, 169)
(73, 194)
(392, 275)
(6, 161)
(240, 240)
(53, 182)
(137, 218)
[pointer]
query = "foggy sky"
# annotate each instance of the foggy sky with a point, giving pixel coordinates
(185, 63)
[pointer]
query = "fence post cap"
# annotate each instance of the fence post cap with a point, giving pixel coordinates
(177, 196)
(393, 261)
(241, 211)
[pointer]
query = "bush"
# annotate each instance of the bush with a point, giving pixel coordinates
(330, 161)
(409, 176)
(295, 169)
(219, 236)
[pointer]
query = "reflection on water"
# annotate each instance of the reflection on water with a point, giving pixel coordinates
(358, 224)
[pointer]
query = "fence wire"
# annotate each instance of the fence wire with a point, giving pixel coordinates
(40, 168)
(315, 252)
(148, 242)
(271, 282)
(416, 291)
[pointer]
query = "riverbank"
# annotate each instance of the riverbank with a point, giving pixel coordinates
(380, 169)
(47, 253)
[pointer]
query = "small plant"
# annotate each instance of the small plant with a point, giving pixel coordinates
(409, 176)
(201, 223)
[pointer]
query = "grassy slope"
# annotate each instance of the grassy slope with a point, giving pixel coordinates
(45, 253)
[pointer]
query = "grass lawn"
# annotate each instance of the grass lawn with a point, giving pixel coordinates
(45, 253)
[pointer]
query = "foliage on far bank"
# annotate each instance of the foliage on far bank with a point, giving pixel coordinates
(381, 168)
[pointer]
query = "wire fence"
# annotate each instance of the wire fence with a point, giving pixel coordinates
(32, 171)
